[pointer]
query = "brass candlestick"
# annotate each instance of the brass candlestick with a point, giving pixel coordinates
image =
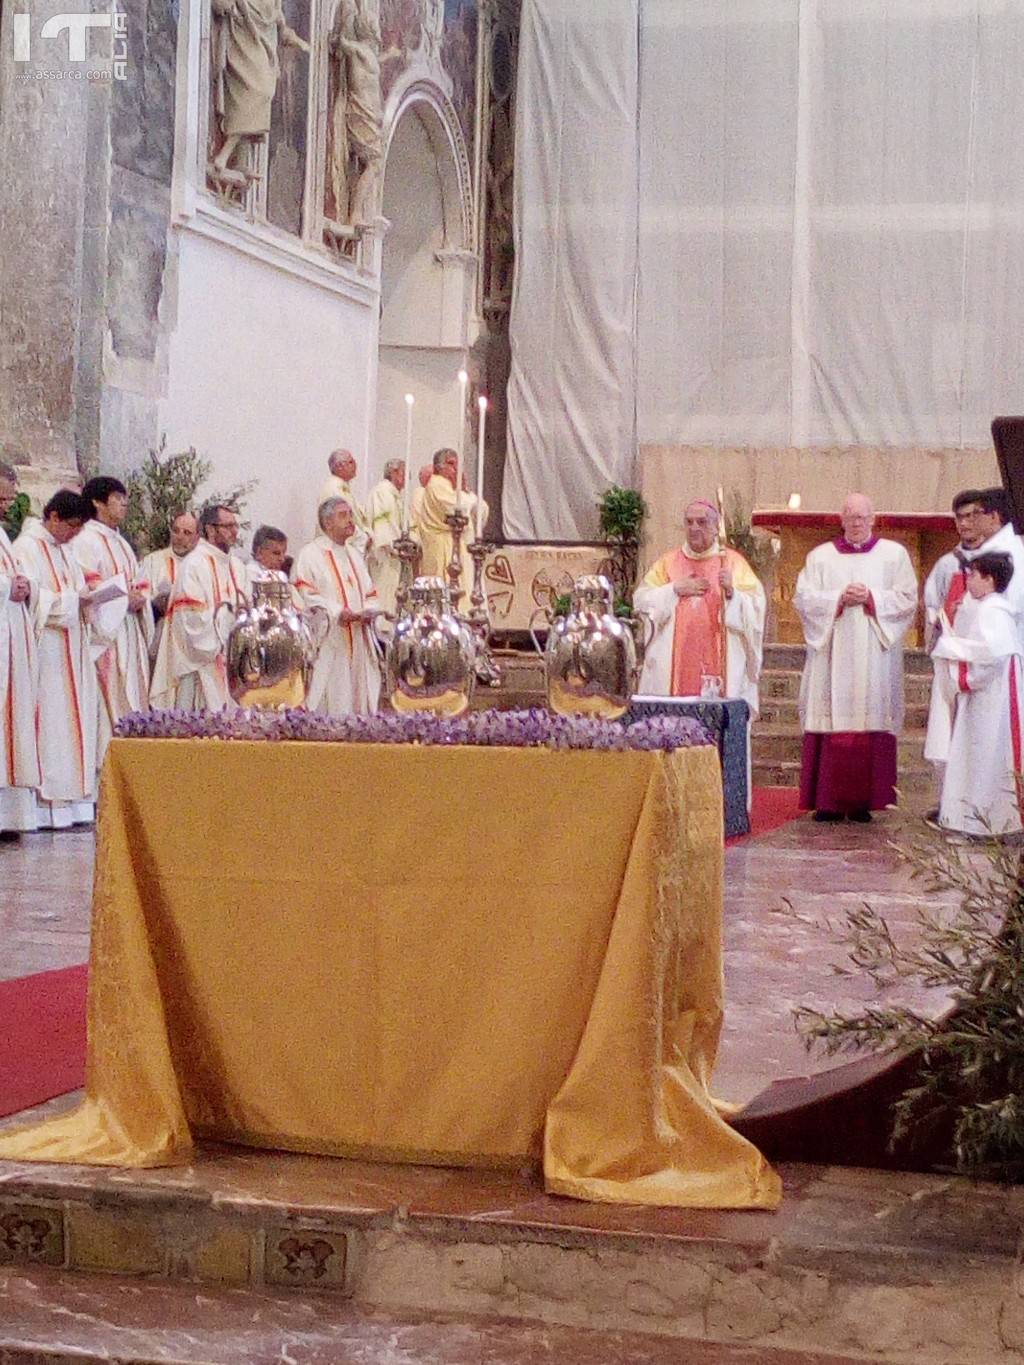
(457, 522)
(487, 671)
(408, 552)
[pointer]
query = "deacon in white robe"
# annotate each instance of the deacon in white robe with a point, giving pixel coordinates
(708, 609)
(190, 672)
(983, 661)
(384, 511)
(122, 629)
(856, 598)
(67, 704)
(20, 774)
(159, 570)
(433, 532)
(343, 467)
(330, 574)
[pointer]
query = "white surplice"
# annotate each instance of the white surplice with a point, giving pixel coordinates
(346, 675)
(853, 674)
(20, 774)
(384, 511)
(122, 655)
(983, 664)
(190, 672)
(67, 704)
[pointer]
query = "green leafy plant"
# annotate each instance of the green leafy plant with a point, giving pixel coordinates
(16, 514)
(622, 512)
(562, 605)
(165, 485)
(969, 1081)
(739, 534)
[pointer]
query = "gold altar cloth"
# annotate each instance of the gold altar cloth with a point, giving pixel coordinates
(319, 947)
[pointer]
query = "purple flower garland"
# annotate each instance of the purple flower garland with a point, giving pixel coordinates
(532, 729)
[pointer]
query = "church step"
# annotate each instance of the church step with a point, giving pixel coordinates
(784, 684)
(773, 743)
(249, 1257)
(97, 1320)
(786, 711)
(913, 780)
(915, 661)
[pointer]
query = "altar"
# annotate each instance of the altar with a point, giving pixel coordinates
(926, 538)
(446, 955)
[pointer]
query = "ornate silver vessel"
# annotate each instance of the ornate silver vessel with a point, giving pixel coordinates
(590, 660)
(270, 646)
(431, 653)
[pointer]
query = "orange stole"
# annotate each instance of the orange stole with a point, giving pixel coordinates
(697, 634)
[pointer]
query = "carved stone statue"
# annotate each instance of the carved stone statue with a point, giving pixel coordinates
(245, 68)
(357, 112)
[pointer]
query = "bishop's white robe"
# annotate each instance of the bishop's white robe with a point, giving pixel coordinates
(67, 704)
(384, 511)
(334, 487)
(983, 662)
(688, 631)
(435, 535)
(190, 672)
(20, 774)
(346, 675)
(122, 657)
(853, 675)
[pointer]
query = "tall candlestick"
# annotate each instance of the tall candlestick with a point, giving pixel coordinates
(409, 401)
(482, 403)
(463, 385)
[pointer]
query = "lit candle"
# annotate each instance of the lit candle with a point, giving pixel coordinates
(463, 385)
(409, 401)
(794, 502)
(482, 403)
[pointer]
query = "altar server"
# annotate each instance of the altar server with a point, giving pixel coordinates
(983, 522)
(343, 467)
(385, 514)
(19, 750)
(983, 660)
(66, 709)
(856, 598)
(332, 575)
(708, 610)
(190, 671)
(439, 501)
(121, 631)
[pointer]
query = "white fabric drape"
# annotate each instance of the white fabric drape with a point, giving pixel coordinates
(829, 197)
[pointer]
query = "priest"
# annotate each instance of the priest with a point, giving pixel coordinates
(67, 706)
(708, 610)
(190, 671)
(20, 775)
(856, 597)
(983, 663)
(343, 467)
(439, 501)
(384, 511)
(331, 574)
(121, 629)
(160, 567)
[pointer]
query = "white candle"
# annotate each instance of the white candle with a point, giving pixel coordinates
(409, 401)
(795, 501)
(482, 403)
(463, 385)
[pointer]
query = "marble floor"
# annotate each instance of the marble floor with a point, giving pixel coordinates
(775, 957)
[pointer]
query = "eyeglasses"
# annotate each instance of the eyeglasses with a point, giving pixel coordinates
(224, 525)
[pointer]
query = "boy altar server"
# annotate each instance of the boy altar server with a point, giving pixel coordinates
(983, 663)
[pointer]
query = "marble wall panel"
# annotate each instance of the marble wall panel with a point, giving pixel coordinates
(286, 172)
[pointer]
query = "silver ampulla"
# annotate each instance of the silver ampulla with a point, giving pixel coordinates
(590, 660)
(431, 653)
(270, 646)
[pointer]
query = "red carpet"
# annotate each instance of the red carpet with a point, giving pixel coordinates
(770, 808)
(42, 1037)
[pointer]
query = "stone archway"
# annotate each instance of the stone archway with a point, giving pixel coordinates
(428, 275)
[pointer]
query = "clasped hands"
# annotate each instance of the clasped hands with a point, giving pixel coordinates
(358, 618)
(855, 595)
(697, 587)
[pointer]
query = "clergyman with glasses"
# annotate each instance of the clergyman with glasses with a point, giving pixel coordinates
(190, 673)
(856, 597)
